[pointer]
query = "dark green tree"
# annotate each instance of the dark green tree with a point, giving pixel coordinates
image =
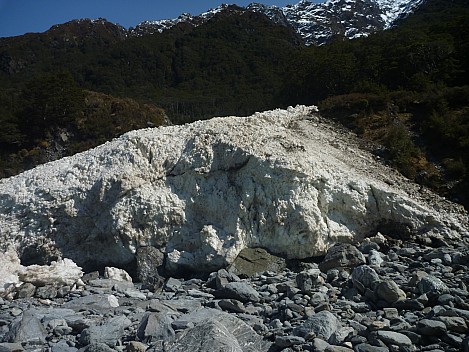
(50, 101)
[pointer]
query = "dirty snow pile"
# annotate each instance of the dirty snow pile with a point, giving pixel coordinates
(282, 180)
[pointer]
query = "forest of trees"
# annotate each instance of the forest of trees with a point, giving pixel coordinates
(406, 89)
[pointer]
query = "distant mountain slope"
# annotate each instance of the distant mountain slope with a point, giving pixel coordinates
(55, 118)
(231, 63)
(316, 23)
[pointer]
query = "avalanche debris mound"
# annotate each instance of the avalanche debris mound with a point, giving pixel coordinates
(282, 180)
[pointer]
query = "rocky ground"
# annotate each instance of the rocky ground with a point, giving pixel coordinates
(379, 295)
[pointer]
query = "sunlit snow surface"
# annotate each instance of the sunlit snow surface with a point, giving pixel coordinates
(393, 9)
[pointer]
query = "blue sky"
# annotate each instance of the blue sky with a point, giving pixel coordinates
(21, 16)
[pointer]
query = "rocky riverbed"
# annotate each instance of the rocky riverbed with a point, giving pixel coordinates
(379, 295)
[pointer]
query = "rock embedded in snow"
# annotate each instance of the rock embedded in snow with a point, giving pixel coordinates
(280, 180)
(252, 261)
(150, 261)
(116, 274)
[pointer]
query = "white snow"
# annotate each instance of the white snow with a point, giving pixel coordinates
(202, 192)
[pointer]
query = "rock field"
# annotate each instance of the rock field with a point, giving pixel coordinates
(380, 295)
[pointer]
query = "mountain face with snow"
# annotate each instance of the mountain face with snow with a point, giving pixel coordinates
(319, 23)
(316, 23)
(150, 27)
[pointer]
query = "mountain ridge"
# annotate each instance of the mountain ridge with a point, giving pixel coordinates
(316, 23)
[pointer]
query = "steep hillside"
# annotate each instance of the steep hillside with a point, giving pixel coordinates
(54, 118)
(405, 89)
(215, 69)
(182, 71)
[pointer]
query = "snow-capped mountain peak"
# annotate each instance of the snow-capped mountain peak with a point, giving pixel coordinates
(150, 27)
(319, 23)
(316, 23)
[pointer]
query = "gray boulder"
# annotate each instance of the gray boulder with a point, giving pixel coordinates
(323, 324)
(430, 327)
(28, 329)
(100, 302)
(110, 284)
(109, 333)
(365, 347)
(26, 290)
(149, 267)
(318, 298)
(157, 328)
(172, 284)
(11, 347)
(432, 286)
(136, 346)
(208, 336)
(221, 278)
(252, 261)
(394, 338)
(308, 279)
(238, 290)
(342, 255)
(231, 305)
(288, 341)
(455, 324)
(97, 347)
(62, 346)
(175, 307)
(375, 258)
(364, 277)
(52, 317)
(389, 292)
(320, 345)
(246, 337)
(46, 292)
